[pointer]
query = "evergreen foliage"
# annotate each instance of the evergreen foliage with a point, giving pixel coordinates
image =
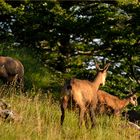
(68, 37)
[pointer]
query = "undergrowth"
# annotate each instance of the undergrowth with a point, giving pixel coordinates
(40, 120)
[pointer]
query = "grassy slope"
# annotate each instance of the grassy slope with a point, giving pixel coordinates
(41, 121)
(41, 115)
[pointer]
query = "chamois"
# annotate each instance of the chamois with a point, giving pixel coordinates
(113, 102)
(9, 115)
(83, 93)
(11, 69)
(6, 114)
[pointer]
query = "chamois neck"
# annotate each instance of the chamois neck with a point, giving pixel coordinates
(97, 80)
(124, 103)
(96, 83)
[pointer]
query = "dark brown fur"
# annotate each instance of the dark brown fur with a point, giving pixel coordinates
(117, 105)
(83, 93)
(11, 69)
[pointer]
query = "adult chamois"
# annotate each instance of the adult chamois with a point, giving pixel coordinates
(11, 70)
(114, 103)
(83, 93)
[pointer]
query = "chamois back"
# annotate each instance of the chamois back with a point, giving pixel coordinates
(11, 69)
(106, 100)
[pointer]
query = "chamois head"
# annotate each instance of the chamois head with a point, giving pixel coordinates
(132, 97)
(133, 100)
(102, 73)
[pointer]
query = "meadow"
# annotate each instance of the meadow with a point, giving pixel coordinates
(39, 109)
(40, 120)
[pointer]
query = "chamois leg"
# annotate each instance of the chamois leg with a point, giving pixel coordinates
(92, 115)
(117, 113)
(102, 109)
(81, 115)
(86, 119)
(64, 105)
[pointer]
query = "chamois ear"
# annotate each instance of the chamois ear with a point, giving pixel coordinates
(106, 66)
(132, 92)
(97, 66)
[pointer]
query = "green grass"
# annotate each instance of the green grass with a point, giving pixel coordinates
(41, 121)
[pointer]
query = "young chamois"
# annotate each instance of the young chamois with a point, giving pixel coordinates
(6, 114)
(83, 93)
(112, 102)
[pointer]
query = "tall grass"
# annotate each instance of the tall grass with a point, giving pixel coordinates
(41, 121)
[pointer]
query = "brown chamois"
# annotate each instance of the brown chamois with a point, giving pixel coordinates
(6, 114)
(11, 70)
(112, 102)
(83, 93)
